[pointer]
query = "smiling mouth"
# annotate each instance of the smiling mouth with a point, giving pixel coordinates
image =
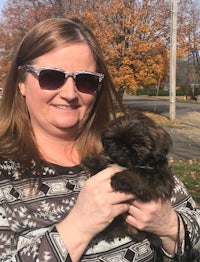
(66, 107)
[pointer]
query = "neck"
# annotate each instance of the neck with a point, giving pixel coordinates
(58, 151)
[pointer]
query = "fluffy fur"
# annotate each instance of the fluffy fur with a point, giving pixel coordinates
(137, 143)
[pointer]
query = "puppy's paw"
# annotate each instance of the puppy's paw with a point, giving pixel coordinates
(124, 182)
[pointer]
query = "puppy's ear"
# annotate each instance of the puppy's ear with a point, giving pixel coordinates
(164, 144)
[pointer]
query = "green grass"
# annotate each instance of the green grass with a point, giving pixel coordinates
(189, 173)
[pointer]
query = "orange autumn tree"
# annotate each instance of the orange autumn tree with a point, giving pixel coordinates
(133, 36)
(17, 18)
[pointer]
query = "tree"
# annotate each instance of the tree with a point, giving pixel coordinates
(134, 34)
(190, 31)
(18, 17)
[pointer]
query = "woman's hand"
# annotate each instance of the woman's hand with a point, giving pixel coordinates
(98, 204)
(96, 207)
(158, 217)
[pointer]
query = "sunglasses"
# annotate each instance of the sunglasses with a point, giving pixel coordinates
(53, 79)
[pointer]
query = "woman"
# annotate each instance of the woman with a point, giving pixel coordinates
(57, 98)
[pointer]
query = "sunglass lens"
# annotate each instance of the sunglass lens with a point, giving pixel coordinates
(87, 83)
(51, 79)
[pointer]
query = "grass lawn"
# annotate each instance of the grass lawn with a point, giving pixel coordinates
(188, 171)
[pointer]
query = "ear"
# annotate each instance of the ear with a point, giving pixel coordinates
(22, 88)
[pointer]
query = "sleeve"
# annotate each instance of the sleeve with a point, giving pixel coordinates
(185, 206)
(38, 245)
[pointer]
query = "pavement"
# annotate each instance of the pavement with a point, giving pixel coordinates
(186, 137)
(185, 133)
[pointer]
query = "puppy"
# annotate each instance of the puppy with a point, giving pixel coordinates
(136, 142)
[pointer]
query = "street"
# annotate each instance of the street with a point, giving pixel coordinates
(185, 132)
(160, 105)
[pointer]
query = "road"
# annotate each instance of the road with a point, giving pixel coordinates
(185, 135)
(160, 106)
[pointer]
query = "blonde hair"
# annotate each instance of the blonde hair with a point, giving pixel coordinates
(16, 135)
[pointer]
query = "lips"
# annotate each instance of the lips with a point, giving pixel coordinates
(66, 107)
(62, 107)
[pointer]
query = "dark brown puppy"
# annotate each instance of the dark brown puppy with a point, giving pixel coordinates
(137, 143)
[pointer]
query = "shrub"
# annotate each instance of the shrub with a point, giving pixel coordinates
(161, 92)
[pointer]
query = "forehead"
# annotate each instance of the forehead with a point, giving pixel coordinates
(69, 56)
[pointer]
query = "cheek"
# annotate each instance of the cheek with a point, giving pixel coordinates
(88, 101)
(34, 105)
(28, 88)
(31, 93)
(36, 100)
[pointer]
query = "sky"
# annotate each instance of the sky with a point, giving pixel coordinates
(2, 2)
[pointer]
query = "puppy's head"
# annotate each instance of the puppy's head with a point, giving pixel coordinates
(136, 140)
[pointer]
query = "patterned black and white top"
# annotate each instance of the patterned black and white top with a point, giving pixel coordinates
(28, 219)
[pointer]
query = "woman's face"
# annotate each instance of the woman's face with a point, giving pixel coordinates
(62, 111)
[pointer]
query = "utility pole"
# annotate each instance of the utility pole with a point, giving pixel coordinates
(172, 71)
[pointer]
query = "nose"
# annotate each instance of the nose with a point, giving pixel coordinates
(68, 90)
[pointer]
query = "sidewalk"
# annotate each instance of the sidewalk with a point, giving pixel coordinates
(185, 146)
(186, 137)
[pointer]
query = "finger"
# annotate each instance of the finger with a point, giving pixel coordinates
(136, 204)
(102, 180)
(118, 197)
(130, 220)
(120, 209)
(107, 173)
